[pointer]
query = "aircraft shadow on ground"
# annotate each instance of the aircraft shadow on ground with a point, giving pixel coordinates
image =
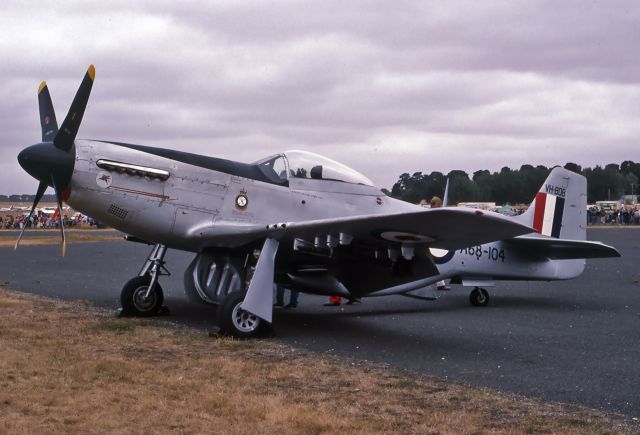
(332, 332)
(205, 315)
(325, 325)
(556, 304)
(520, 303)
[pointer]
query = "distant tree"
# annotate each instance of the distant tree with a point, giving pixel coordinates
(461, 188)
(574, 167)
(480, 173)
(630, 186)
(612, 167)
(615, 180)
(484, 182)
(410, 188)
(400, 186)
(505, 187)
(629, 167)
(529, 181)
(604, 183)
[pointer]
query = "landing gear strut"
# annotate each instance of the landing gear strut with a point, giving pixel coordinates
(142, 296)
(479, 297)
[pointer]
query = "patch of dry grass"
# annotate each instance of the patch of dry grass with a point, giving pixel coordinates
(72, 368)
(50, 238)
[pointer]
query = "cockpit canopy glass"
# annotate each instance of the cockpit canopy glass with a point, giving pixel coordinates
(274, 168)
(304, 164)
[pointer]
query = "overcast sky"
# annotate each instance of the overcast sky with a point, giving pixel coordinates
(384, 87)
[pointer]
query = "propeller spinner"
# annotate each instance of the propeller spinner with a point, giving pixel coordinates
(51, 162)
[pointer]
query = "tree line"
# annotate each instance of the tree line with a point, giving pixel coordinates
(516, 186)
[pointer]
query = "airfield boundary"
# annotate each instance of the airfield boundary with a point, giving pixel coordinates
(70, 367)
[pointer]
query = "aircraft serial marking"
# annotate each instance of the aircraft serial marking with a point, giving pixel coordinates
(555, 190)
(488, 252)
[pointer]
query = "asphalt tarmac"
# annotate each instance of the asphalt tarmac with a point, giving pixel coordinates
(575, 342)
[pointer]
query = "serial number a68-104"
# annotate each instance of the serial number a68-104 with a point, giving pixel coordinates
(489, 252)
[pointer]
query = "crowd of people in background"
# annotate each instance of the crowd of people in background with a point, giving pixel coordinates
(624, 216)
(43, 221)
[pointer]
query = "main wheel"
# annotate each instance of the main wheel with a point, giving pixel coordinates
(235, 321)
(479, 297)
(134, 301)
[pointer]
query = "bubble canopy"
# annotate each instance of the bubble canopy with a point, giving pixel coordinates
(308, 165)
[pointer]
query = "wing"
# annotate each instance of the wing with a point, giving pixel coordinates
(445, 228)
(562, 249)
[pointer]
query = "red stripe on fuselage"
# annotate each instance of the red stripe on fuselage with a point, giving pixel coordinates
(140, 192)
(538, 214)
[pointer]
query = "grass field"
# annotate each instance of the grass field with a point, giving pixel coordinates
(52, 237)
(72, 368)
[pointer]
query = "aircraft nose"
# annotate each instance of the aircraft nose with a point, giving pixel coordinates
(48, 164)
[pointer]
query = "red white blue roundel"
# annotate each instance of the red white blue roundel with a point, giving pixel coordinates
(402, 237)
(441, 256)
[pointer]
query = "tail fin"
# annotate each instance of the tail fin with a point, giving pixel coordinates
(559, 208)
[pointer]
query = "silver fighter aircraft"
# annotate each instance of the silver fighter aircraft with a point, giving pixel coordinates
(297, 219)
(556, 251)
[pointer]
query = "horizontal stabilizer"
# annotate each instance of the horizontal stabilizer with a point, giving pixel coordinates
(562, 249)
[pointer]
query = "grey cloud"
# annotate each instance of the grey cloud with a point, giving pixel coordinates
(416, 85)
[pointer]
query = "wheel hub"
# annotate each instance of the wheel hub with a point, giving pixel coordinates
(141, 301)
(243, 320)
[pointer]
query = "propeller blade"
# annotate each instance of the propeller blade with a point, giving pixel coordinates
(60, 215)
(69, 129)
(47, 114)
(42, 187)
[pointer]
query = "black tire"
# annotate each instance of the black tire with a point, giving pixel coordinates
(133, 300)
(237, 322)
(479, 297)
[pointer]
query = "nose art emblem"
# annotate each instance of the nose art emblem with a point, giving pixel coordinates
(103, 179)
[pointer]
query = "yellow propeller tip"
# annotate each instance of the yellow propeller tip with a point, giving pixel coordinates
(42, 86)
(91, 71)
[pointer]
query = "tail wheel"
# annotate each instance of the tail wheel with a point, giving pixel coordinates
(479, 297)
(135, 301)
(240, 323)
